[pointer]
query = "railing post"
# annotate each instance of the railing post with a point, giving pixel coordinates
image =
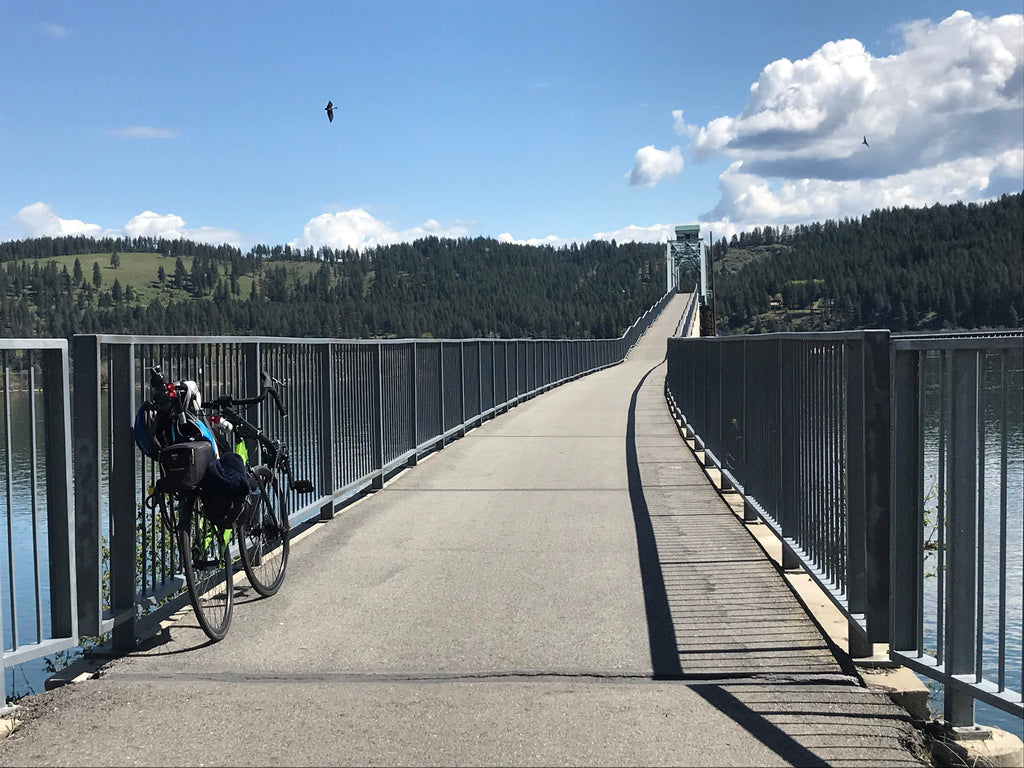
(440, 391)
(378, 419)
(787, 449)
(415, 410)
(462, 385)
(906, 547)
(856, 503)
(326, 429)
(962, 538)
(252, 362)
(122, 503)
(86, 462)
(877, 476)
(59, 502)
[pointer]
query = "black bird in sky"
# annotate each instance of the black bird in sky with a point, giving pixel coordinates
(330, 112)
(865, 142)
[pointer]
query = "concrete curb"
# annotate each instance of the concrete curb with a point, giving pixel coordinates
(980, 748)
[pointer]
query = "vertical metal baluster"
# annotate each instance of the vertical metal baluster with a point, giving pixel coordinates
(963, 538)
(940, 511)
(10, 501)
(1003, 486)
(979, 640)
(34, 481)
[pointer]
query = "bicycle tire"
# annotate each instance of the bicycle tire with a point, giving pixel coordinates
(206, 563)
(263, 540)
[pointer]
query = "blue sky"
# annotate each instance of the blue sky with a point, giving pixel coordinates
(529, 121)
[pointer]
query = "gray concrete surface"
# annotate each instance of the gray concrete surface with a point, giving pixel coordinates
(561, 587)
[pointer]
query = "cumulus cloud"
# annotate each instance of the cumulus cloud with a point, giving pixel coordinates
(144, 132)
(751, 198)
(651, 164)
(944, 118)
(656, 233)
(358, 229)
(38, 220)
(553, 240)
(149, 224)
(172, 227)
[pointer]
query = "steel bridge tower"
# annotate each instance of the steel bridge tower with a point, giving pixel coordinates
(689, 250)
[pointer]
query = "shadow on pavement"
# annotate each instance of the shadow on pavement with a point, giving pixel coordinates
(660, 632)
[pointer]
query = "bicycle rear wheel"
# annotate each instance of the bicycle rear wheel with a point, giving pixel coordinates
(263, 540)
(207, 566)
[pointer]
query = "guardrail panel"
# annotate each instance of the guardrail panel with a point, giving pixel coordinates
(38, 615)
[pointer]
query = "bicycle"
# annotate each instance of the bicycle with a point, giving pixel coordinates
(262, 531)
(169, 427)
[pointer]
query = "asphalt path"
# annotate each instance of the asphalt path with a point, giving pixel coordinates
(560, 587)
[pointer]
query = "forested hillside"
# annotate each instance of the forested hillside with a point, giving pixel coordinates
(429, 288)
(947, 266)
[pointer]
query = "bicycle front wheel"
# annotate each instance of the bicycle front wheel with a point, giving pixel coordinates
(263, 540)
(207, 566)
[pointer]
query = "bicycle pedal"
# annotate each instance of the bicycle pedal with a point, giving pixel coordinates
(303, 486)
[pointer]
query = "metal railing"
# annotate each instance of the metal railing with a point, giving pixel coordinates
(689, 323)
(957, 517)
(791, 420)
(358, 410)
(828, 438)
(38, 533)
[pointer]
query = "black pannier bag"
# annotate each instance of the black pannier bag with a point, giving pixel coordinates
(225, 488)
(183, 466)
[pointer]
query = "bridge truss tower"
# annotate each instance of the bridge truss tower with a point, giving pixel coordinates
(689, 251)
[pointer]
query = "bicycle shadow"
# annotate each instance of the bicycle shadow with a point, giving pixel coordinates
(178, 628)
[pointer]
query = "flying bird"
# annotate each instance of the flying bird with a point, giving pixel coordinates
(330, 112)
(865, 142)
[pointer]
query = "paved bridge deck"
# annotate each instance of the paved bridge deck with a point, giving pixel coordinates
(562, 586)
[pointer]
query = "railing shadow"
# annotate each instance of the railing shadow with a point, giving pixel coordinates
(660, 631)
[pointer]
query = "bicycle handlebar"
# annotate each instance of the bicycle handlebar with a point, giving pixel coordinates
(267, 388)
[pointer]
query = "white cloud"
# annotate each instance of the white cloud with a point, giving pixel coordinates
(172, 227)
(214, 236)
(553, 240)
(651, 164)
(944, 118)
(38, 220)
(56, 31)
(680, 126)
(144, 132)
(358, 229)
(149, 224)
(656, 233)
